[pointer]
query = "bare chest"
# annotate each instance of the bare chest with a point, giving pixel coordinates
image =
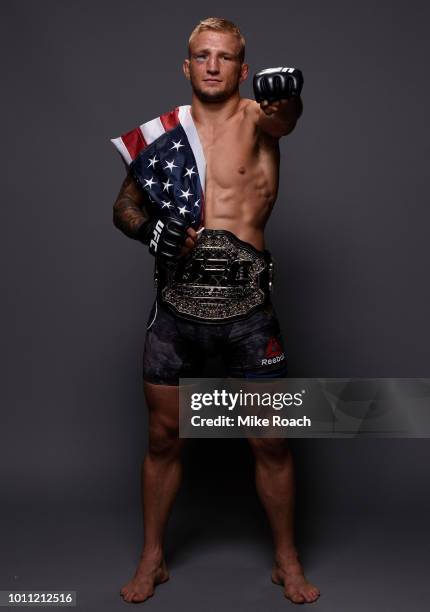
(231, 151)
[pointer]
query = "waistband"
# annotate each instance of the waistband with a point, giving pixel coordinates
(222, 279)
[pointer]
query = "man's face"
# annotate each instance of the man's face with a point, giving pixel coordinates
(214, 67)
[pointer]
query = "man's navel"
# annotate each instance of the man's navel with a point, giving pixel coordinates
(241, 170)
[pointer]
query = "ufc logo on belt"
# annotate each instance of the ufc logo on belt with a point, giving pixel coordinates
(156, 236)
(232, 272)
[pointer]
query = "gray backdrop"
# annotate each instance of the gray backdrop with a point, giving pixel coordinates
(349, 233)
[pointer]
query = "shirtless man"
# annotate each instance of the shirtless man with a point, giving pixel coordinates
(240, 141)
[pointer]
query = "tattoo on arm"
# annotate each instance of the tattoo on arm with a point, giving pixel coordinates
(132, 208)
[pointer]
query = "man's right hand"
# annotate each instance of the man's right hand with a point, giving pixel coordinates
(136, 216)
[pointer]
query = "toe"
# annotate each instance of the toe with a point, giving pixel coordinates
(295, 596)
(314, 592)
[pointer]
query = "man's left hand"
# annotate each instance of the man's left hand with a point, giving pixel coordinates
(277, 84)
(269, 108)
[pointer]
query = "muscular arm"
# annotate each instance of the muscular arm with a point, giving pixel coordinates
(132, 208)
(134, 215)
(278, 118)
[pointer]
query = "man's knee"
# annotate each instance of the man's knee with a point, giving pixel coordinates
(163, 420)
(269, 448)
(164, 441)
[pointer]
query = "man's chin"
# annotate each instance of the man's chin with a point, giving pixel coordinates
(212, 96)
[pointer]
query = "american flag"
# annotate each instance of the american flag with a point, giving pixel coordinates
(166, 157)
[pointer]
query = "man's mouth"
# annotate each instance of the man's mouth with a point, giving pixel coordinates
(212, 80)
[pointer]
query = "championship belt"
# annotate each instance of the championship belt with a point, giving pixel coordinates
(221, 280)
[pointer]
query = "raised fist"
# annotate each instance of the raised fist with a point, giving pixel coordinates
(274, 84)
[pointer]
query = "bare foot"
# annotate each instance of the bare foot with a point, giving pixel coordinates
(149, 573)
(288, 573)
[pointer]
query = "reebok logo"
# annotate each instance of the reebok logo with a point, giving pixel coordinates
(273, 352)
(273, 348)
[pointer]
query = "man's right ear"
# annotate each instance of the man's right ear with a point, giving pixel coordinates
(186, 68)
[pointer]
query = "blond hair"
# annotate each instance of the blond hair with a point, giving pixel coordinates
(217, 24)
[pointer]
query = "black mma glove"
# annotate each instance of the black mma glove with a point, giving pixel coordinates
(164, 237)
(274, 84)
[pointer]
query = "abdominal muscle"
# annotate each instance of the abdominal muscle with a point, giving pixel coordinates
(242, 169)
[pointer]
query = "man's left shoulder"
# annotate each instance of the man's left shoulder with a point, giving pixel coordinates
(251, 108)
(251, 112)
(254, 114)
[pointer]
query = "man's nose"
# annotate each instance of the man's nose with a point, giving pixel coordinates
(212, 65)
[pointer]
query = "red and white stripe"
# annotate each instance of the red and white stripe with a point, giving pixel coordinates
(132, 143)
